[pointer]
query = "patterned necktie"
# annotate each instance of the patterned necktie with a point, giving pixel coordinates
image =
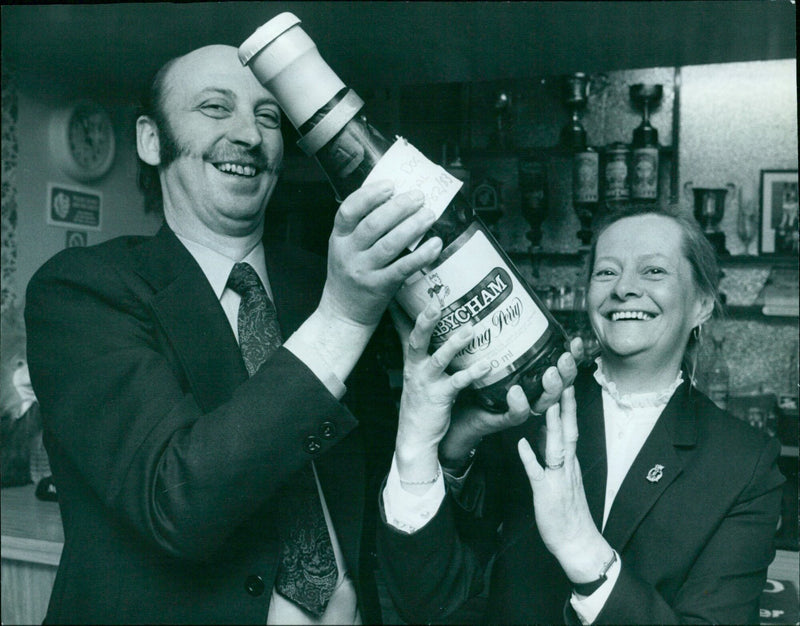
(307, 572)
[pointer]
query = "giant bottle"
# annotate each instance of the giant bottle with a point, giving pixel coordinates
(473, 279)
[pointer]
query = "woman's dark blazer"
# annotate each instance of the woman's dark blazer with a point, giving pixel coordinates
(695, 544)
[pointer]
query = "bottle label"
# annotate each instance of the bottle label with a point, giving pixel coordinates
(617, 177)
(585, 166)
(644, 177)
(409, 169)
(507, 321)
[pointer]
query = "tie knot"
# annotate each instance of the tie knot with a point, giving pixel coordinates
(243, 279)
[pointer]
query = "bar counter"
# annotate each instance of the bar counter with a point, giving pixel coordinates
(32, 540)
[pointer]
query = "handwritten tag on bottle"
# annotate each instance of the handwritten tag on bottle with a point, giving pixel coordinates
(409, 169)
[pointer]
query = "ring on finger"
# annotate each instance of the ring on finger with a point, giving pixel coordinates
(555, 466)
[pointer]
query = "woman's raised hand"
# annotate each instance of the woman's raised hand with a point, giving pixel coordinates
(559, 501)
(428, 391)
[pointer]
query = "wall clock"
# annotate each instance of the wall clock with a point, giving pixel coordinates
(82, 140)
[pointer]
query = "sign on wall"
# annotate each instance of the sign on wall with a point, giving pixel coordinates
(74, 207)
(76, 239)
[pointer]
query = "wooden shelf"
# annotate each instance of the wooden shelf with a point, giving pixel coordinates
(479, 154)
(746, 260)
(754, 311)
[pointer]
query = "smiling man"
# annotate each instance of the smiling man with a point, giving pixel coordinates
(206, 397)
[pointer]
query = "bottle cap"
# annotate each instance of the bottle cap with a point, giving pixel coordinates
(286, 61)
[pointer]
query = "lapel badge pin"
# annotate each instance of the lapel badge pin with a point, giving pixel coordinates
(655, 473)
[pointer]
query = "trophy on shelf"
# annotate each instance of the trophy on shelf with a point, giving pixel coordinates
(709, 209)
(533, 191)
(585, 159)
(746, 221)
(644, 170)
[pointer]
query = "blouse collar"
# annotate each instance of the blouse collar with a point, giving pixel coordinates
(635, 400)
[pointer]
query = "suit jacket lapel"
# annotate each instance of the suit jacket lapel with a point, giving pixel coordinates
(656, 466)
(294, 286)
(213, 366)
(591, 448)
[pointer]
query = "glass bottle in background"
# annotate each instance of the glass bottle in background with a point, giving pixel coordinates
(616, 174)
(473, 279)
(718, 377)
(644, 167)
(585, 159)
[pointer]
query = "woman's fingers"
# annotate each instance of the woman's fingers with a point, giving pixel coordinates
(420, 336)
(552, 386)
(518, 408)
(569, 421)
(577, 349)
(534, 471)
(554, 446)
(447, 351)
(464, 378)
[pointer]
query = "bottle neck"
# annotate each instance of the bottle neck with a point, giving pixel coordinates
(346, 146)
(322, 112)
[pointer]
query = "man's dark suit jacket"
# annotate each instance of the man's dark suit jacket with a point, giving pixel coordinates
(167, 458)
(695, 544)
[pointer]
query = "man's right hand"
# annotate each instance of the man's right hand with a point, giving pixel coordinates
(371, 229)
(365, 270)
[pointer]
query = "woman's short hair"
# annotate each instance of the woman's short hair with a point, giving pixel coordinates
(696, 247)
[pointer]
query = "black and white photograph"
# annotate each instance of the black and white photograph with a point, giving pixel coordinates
(780, 229)
(349, 312)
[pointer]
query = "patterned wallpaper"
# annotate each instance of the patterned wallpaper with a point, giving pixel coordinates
(8, 263)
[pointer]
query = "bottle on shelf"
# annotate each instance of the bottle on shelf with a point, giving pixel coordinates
(616, 174)
(585, 159)
(644, 169)
(473, 279)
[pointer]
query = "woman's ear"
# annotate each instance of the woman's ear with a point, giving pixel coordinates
(148, 144)
(705, 308)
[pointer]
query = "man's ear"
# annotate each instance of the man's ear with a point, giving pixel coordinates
(148, 144)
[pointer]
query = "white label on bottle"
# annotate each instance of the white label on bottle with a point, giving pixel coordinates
(644, 181)
(507, 321)
(409, 169)
(585, 185)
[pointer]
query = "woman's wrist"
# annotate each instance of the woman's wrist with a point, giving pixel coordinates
(456, 458)
(582, 562)
(458, 445)
(416, 462)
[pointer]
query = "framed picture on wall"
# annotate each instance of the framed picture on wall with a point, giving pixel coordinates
(779, 228)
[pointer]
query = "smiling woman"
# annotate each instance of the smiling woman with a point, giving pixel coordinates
(640, 485)
(654, 280)
(643, 299)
